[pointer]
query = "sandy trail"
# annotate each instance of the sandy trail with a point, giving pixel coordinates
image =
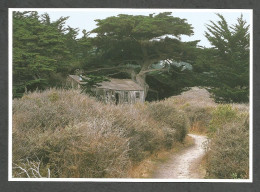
(185, 164)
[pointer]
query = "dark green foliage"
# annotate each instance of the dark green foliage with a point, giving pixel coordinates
(172, 83)
(44, 52)
(38, 51)
(128, 46)
(228, 62)
(92, 81)
(132, 44)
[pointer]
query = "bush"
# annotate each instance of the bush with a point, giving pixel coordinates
(166, 113)
(52, 109)
(145, 134)
(228, 157)
(73, 135)
(222, 115)
(79, 151)
(227, 127)
(199, 117)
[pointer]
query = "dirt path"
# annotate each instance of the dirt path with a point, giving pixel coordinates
(185, 164)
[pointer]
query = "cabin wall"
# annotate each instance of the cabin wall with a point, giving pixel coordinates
(72, 83)
(133, 96)
(109, 96)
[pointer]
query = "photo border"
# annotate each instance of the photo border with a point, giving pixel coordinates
(117, 186)
(10, 178)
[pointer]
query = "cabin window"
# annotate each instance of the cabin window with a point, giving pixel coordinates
(117, 98)
(126, 97)
(107, 96)
(137, 95)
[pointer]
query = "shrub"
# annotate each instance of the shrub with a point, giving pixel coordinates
(80, 151)
(199, 117)
(73, 135)
(145, 134)
(170, 117)
(52, 109)
(197, 106)
(227, 126)
(228, 157)
(222, 115)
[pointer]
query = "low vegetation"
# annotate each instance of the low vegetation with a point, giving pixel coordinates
(63, 133)
(228, 155)
(59, 133)
(226, 125)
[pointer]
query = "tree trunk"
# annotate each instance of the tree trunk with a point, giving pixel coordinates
(140, 78)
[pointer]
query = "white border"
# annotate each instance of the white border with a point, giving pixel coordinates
(10, 92)
(10, 178)
(129, 9)
(251, 102)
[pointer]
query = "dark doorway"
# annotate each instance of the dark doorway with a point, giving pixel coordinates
(117, 98)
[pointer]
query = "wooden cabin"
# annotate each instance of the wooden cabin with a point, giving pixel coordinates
(117, 91)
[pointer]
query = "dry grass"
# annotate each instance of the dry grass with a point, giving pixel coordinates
(73, 135)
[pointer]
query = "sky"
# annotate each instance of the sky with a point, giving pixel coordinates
(198, 18)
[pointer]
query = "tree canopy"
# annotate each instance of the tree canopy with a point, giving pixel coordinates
(132, 44)
(44, 52)
(147, 49)
(38, 50)
(229, 62)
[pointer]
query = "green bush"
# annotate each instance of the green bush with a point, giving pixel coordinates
(222, 115)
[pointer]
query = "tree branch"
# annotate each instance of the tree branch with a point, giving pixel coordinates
(152, 70)
(106, 68)
(24, 170)
(172, 69)
(31, 168)
(120, 65)
(115, 73)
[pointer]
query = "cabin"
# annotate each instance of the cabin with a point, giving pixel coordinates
(117, 91)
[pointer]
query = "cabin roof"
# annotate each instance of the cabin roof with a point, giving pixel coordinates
(76, 78)
(114, 84)
(120, 84)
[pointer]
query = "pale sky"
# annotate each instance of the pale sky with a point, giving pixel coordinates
(198, 18)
